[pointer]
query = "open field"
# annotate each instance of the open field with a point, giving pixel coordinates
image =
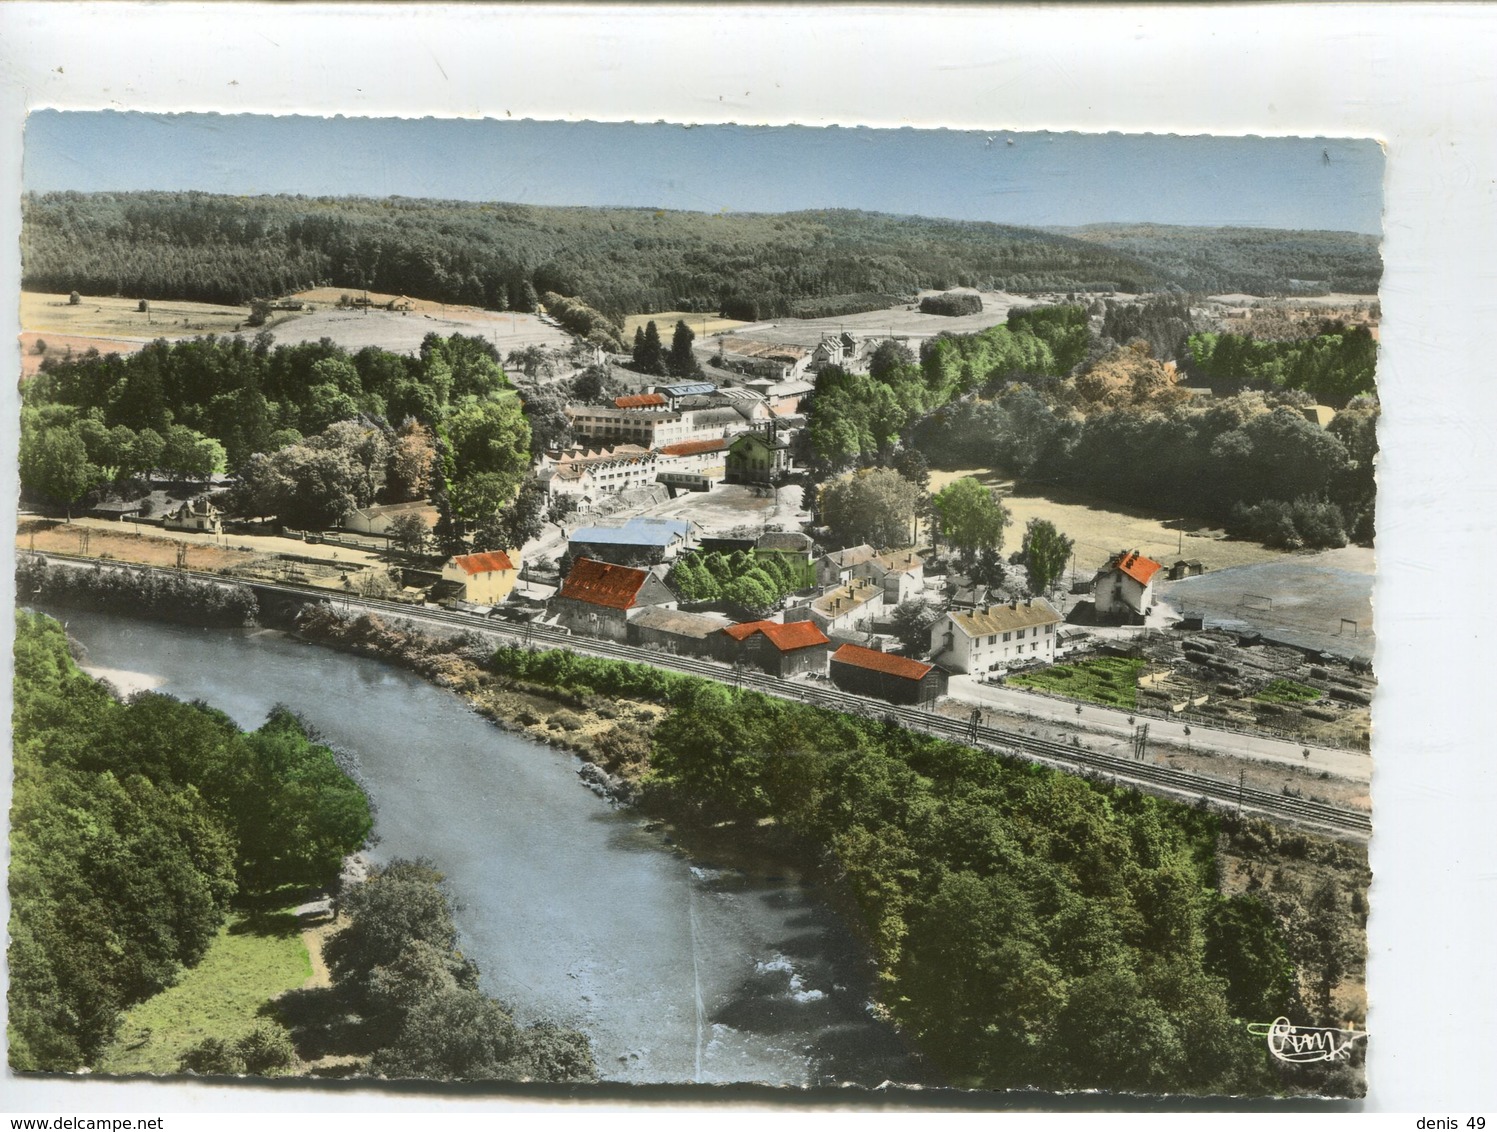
(254, 958)
(401, 332)
(102, 539)
(1101, 530)
(60, 346)
(665, 322)
(897, 321)
(97, 317)
(1320, 601)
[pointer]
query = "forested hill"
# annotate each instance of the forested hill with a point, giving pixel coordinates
(1258, 261)
(230, 249)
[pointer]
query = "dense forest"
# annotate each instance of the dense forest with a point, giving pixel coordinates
(1254, 261)
(505, 256)
(1030, 928)
(306, 428)
(133, 827)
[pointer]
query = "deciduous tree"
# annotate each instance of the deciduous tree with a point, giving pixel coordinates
(875, 506)
(970, 517)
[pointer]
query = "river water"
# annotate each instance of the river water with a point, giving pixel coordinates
(681, 969)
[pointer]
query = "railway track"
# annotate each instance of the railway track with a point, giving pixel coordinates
(1321, 816)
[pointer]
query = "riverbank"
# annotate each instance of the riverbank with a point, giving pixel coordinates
(611, 734)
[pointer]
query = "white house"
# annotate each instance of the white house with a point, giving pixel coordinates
(1125, 586)
(194, 515)
(900, 572)
(983, 640)
(838, 566)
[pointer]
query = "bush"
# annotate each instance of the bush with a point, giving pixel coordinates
(213, 1057)
(567, 721)
(266, 1048)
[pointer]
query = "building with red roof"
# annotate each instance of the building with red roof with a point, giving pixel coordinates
(868, 672)
(639, 401)
(597, 598)
(783, 650)
(483, 579)
(1125, 586)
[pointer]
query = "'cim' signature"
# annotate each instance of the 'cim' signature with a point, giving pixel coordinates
(1299, 1044)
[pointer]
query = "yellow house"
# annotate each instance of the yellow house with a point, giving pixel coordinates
(487, 578)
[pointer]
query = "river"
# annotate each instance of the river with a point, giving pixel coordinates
(681, 968)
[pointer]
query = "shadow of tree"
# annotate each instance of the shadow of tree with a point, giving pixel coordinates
(322, 1022)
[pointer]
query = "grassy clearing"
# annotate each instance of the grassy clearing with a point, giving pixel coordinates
(254, 958)
(1288, 692)
(1110, 680)
(665, 323)
(1100, 530)
(98, 316)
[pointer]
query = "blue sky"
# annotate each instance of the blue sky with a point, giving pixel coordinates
(1014, 178)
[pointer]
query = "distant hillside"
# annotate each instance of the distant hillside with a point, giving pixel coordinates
(749, 265)
(1258, 261)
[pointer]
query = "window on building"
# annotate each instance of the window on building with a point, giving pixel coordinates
(1007, 636)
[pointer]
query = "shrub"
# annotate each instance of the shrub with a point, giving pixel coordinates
(212, 1057)
(567, 721)
(266, 1048)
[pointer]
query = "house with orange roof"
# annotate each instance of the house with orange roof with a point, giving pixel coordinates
(1125, 586)
(868, 672)
(782, 650)
(598, 598)
(484, 579)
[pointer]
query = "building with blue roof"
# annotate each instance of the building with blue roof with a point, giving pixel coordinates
(641, 541)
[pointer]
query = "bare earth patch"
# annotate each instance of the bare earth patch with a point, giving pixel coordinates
(125, 546)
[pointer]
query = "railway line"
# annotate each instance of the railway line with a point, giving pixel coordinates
(1320, 816)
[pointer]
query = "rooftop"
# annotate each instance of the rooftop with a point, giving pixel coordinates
(694, 447)
(485, 563)
(1134, 565)
(686, 388)
(851, 556)
(786, 637)
(854, 595)
(639, 531)
(900, 561)
(697, 625)
(603, 583)
(1006, 618)
(876, 661)
(639, 401)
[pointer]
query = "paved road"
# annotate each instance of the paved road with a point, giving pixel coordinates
(1355, 765)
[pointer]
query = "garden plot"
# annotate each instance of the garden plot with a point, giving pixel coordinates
(1213, 678)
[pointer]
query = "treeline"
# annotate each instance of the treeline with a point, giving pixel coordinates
(1254, 464)
(504, 256)
(1030, 928)
(157, 594)
(133, 827)
(1258, 261)
(1333, 366)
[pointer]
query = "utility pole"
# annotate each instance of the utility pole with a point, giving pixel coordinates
(1140, 742)
(1241, 778)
